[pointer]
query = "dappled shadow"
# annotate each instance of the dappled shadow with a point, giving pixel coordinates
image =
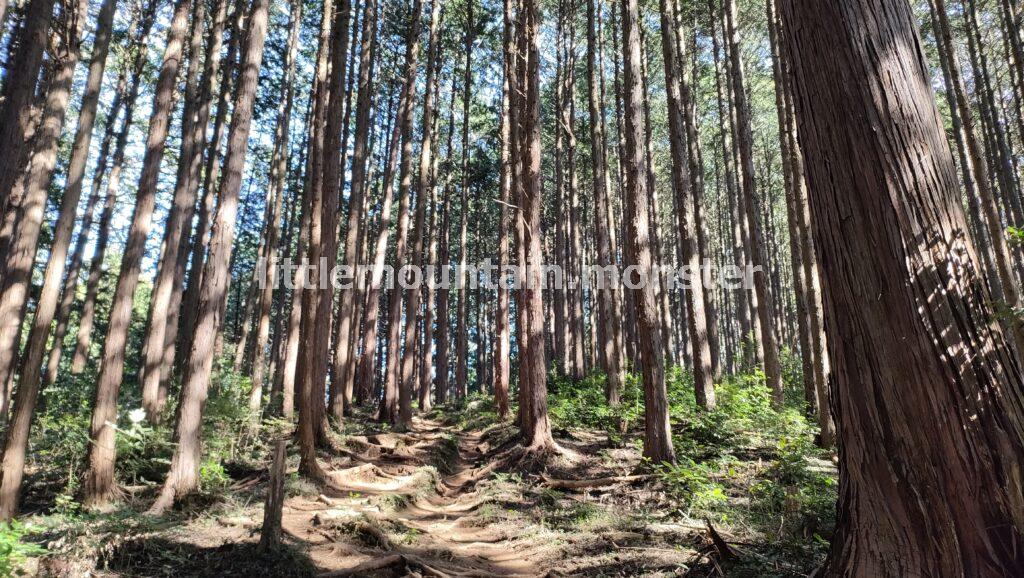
(159, 557)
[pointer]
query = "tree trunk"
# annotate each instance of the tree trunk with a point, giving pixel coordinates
(808, 254)
(184, 473)
(406, 100)
(536, 427)
(19, 91)
(611, 344)
(193, 131)
(1006, 288)
(423, 194)
(345, 352)
(19, 269)
(211, 179)
(88, 315)
(270, 532)
(906, 307)
(124, 99)
(772, 369)
(686, 193)
(99, 483)
(462, 291)
(278, 175)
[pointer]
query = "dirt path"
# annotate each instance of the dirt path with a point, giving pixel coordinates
(421, 503)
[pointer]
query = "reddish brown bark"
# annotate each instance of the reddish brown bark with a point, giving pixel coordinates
(183, 476)
(535, 425)
(639, 252)
(99, 483)
(927, 387)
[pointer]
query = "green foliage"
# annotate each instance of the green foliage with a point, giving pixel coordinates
(582, 403)
(14, 550)
(692, 485)
(798, 488)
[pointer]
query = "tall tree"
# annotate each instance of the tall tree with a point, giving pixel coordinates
(535, 425)
(22, 253)
(424, 191)
(193, 130)
(99, 483)
(125, 96)
(1006, 289)
(639, 251)
(611, 344)
(19, 89)
(395, 395)
(404, 111)
(685, 201)
(772, 368)
(906, 305)
(462, 293)
(345, 349)
(278, 176)
(183, 476)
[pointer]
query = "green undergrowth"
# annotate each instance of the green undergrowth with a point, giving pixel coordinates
(750, 469)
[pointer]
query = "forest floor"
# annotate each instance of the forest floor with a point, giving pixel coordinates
(455, 496)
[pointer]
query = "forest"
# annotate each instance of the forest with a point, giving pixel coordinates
(536, 288)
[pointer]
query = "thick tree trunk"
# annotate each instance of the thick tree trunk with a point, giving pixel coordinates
(912, 334)
(658, 436)
(183, 476)
(535, 425)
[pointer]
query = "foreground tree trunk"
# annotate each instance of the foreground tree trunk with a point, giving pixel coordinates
(535, 425)
(912, 334)
(183, 476)
(636, 212)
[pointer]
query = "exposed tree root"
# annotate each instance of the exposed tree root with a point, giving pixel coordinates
(594, 483)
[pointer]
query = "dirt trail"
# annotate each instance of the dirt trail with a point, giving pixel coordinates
(395, 505)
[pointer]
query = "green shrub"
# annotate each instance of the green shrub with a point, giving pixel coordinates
(13, 549)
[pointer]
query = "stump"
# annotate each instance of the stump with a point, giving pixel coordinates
(270, 534)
